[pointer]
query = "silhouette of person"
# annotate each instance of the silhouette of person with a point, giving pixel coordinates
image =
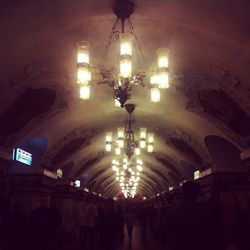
(131, 222)
(109, 227)
(190, 225)
(120, 225)
(44, 224)
(14, 228)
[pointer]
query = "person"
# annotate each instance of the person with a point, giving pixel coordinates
(120, 225)
(14, 225)
(190, 225)
(142, 221)
(108, 226)
(232, 224)
(3, 214)
(90, 224)
(44, 224)
(130, 222)
(83, 229)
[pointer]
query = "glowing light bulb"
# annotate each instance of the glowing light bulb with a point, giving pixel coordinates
(83, 52)
(84, 92)
(125, 67)
(108, 147)
(117, 151)
(162, 54)
(155, 95)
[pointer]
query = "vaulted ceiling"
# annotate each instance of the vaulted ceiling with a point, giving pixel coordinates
(209, 44)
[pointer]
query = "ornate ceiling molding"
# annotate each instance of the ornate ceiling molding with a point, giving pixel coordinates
(36, 75)
(171, 165)
(76, 133)
(219, 79)
(193, 144)
(87, 163)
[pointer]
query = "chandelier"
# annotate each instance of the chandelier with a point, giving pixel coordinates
(127, 172)
(127, 141)
(122, 80)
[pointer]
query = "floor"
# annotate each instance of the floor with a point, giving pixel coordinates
(150, 243)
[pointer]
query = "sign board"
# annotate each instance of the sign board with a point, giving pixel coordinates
(196, 174)
(59, 173)
(22, 156)
(77, 183)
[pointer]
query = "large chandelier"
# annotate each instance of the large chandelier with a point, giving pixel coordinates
(122, 80)
(128, 141)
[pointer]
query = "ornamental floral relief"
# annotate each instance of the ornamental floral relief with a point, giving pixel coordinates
(35, 77)
(188, 147)
(73, 136)
(221, 99)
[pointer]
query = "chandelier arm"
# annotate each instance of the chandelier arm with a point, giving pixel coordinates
(109, 42)
(136, 38)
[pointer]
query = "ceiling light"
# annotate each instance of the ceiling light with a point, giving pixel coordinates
(123, 81)
(128, 141)
(84, 92)
(155, 95)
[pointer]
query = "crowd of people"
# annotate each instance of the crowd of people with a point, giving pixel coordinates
(191, 224)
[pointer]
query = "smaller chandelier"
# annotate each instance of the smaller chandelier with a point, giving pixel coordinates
(125, 77)
(127, 141)
(127, 172)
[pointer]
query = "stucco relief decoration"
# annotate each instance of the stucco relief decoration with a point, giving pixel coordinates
(88, 162)
(35, 76)
(78, 136)
(193, 151)
(162, 173)
(169, 163)
(221, 99)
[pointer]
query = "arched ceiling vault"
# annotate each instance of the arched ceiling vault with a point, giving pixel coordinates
(209, 92)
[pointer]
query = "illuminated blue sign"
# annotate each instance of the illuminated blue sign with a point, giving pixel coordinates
(22, 156)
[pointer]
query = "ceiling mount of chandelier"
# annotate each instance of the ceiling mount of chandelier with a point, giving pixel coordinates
(122, 80)
(127, 141)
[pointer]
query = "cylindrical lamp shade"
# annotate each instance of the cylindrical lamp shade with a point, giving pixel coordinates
(162, 54)
(108, 147)
(142, 143)
(120, 143)
(83, 75)
(150, 148)
(150, 138)
(125, 166)
(120, 132)
(109, 137)
(163, 80)
(117, 151)
(84, 92)
(154, 79)
(143, 133)
(138, 161)
(125, 67)
(155, 95)
(83, 52)
(126, 44)
(137, 151)
(139, 168)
